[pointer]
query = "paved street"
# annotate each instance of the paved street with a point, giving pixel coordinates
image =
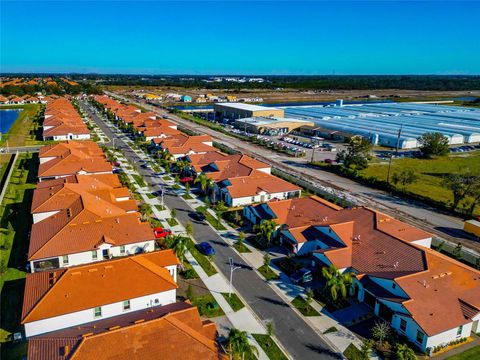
(417, 214)
(297, 337)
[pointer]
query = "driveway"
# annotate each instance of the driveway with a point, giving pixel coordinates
(298, 338)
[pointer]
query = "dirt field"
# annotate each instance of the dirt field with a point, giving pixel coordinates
(291, 95)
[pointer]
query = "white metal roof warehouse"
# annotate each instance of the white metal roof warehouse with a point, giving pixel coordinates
(381, 122)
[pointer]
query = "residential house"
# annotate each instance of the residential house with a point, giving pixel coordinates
(66, 298)
(171, 332)
(72, 158)
(181, 145)
(424, 295)
(63, 122)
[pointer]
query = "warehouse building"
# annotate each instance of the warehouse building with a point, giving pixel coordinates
(270, 125)
(382, 122)
(233, 111)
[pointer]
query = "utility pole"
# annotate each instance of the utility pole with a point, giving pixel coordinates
(396, 154)
(232, 269)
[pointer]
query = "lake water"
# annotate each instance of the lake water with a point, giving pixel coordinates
(7, 118)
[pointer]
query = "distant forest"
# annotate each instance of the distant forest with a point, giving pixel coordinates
(404, 82)
(89, 82)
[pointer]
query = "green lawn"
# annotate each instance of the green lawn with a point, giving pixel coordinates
(470, 354)
(151, 196)
(234, 301)
(202, 260)
(430, 173)
(267, 273)
(210, 218)
(139, 180)
(172, 222)
(207, 306)
(24, 130)
(166, 178)
(304, 307)
(270, 347)
(160, 207)
(352, 353)
(15, 224)
(187, 196)
(241, 248)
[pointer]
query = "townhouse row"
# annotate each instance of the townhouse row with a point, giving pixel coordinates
(63, 122)
(239, 179)
(97, 280)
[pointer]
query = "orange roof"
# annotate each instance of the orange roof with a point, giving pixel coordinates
(258, 182)
(232, 166)
(55, 293)
(136, 336)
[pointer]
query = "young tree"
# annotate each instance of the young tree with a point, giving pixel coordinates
(266, 260)
(460, 185)
(270, 328)
(267, 228)
(189, 293)
(187, 188)
(366, 349)
(309, 297)
(180, 247)
(380, 331)
(337, 283)
(433, 144)
(203, 180)
(189, 229)
(173, 213)
(405, 177)
(357, 153)
(241, 238)
(475, 194)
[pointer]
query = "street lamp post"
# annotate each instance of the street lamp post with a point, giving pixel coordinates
(232, 269)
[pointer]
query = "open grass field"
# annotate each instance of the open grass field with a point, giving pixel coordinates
(470, 354)
(24, 130)
(430, 174)
(15, 225)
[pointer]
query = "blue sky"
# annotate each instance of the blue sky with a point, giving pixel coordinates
(228, 37)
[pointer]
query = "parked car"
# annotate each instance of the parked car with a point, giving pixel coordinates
(186, 179)
(161, 232)
(302, 276)
(206, 249)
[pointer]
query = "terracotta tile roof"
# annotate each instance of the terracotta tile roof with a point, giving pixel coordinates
(64, 118)
(158, 131)
(72, 157)
(256, 183)
(188, 337)
(440, 295)
(200, 160)
(54, 293)
(182, 144)
(83, 230)
(232, 166)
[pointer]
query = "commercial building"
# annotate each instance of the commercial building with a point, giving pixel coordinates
(270, 125)
(232, 111)
(382, 122)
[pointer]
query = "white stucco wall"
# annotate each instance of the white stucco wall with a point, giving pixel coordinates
(424, 242)
(37, 217)
(108, 310)
(255, 199)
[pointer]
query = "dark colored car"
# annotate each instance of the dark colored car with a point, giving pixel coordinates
(302, 276)
(206, 249)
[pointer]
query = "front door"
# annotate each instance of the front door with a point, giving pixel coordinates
(105, 254)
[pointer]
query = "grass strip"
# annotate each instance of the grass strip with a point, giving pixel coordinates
(305, 308)
(267, 273)
(207, 306)
(202, 260)
(270, 347)
(234, 301)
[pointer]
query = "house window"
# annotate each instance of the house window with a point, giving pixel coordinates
(97, 312)
(394, 285)
(94, 255)
(459, 330)
(122, 249)
(65, 260)
(253, 198)
(420, 336)
(126, 305)
(157, 301)
(403, 325)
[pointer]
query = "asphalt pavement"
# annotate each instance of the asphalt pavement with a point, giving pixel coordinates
(296, 336)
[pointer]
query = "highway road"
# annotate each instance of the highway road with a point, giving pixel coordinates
(296, 336)
(415, 213)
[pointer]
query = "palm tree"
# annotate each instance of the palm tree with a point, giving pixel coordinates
(267, 228)
(380, 331)
(238, 345)
(183, 166)
(337, 283)
(179, 247)
(203, 180)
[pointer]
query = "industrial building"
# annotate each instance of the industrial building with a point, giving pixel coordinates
(270, 125)
(382, 122)
(233, 111)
